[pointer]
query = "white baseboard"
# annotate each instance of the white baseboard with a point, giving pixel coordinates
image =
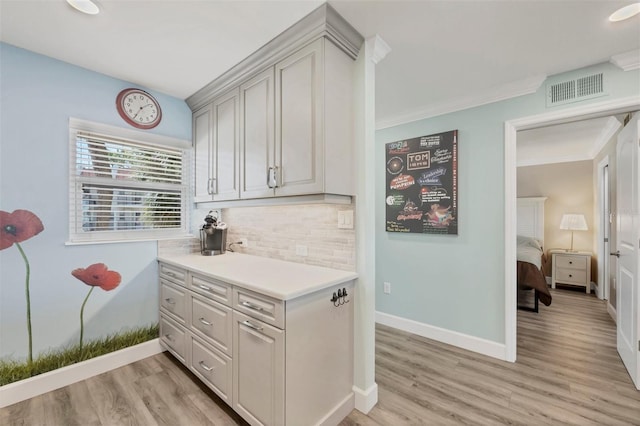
(464, 341)
(612, 311)
(366, 399)
(339, 412)
(52, 380)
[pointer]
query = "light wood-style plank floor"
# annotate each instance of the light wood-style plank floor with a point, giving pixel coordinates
(568, 372)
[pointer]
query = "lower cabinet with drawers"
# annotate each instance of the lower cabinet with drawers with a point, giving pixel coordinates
(572, 268)
(275, 362)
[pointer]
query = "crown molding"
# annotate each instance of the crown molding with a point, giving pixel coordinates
(483, 97)
(627, 61)
(553, 160)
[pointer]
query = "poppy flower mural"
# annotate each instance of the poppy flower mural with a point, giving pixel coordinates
(16, 227)
(96, 275)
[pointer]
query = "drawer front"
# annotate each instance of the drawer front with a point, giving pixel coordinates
(259, 306)
(213, 289)
(173, 337)
(571, 262)
(174, 274)
(571, 276)
(173, 299)
(214, 321)
(213, 367)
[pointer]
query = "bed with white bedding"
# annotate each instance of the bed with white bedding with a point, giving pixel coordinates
(531, 260)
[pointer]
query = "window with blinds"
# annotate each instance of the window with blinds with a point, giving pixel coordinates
(126, 190)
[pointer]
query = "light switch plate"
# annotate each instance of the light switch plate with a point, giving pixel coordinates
(345, 219)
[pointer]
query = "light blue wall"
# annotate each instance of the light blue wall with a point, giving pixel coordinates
(457, 282)
(38, 95)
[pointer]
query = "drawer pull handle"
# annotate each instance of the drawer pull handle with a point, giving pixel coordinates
(170, 301)
(255, 327)
(171, 274)
(169, 337)
(570, 276)
(252, 306)
(205, 366)
(205, 288)
(204, 321)
(570, 262)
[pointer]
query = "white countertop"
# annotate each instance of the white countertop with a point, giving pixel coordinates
(276, 278)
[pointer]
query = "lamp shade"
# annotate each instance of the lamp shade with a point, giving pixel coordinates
(573, 222)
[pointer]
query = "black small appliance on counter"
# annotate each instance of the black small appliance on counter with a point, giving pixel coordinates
(213, 236)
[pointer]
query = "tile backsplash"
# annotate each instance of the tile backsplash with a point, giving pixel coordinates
(283, 232)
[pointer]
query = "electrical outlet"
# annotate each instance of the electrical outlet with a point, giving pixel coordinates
(244, 242)
(387, 288)
(301, 250)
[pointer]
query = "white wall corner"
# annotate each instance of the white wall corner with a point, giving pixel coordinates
(366, 399)
(378, 48)
(627, 61)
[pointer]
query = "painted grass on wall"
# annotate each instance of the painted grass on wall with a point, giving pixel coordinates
(13, 371)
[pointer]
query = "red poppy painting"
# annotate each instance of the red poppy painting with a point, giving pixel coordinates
(98, 275)
(17, 227)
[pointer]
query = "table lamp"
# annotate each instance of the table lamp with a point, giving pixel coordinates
(573, 222)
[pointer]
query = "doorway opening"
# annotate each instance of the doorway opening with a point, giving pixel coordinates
(510, 224)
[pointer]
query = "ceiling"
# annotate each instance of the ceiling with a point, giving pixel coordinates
(444, 54)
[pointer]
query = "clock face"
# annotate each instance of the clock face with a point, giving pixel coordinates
(138, 108)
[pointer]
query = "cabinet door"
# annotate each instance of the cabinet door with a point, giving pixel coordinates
(257, 135)
(202, 132)
(299, 122)
(258, 371)
(225, 162)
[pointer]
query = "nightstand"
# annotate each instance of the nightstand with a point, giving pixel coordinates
(571, 268)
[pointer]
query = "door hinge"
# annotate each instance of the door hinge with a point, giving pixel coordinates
(606, 240)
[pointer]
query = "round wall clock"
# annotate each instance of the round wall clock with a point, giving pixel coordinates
(138, 108)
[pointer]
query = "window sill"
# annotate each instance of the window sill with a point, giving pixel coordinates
(137, 240)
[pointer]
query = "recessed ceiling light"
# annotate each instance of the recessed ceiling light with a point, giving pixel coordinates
(84, 6)
(625, 12)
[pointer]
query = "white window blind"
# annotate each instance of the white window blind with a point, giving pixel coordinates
(123, 189)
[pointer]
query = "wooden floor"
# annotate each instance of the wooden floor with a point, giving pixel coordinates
(568, 372)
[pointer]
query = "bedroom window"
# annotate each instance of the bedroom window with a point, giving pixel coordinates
(125, 185)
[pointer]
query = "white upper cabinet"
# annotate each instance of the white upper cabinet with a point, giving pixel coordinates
(257, 150)
(216, 142)
(202, 135)
(226, 139)
(286, 124)
(299, 122)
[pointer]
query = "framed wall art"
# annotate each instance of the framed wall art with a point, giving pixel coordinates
(422, 184)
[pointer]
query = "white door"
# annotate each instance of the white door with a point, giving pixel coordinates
(627, 250)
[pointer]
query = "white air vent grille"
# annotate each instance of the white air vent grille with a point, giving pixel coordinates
(575, 90)
(590, 85)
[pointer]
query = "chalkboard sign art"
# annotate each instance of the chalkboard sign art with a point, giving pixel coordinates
(422, 184)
